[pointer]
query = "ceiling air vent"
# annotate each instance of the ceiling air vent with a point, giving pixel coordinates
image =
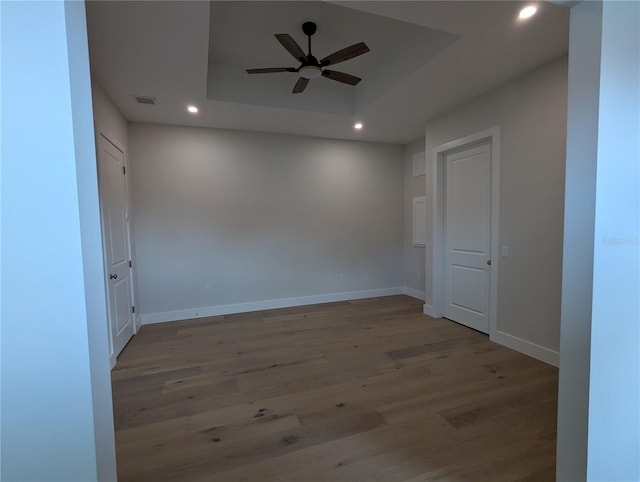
(143, 99)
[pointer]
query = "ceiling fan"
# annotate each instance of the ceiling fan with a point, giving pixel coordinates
(310, 67)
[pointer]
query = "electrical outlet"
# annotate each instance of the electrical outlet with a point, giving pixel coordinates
(505, 251)
(208, 289)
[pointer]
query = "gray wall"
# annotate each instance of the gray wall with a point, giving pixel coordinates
(413, 255)
(107, 117)
(261, 216)
(531, 112)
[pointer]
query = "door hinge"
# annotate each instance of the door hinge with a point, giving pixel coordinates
(133, 309)
(129, 264)
(124, 170)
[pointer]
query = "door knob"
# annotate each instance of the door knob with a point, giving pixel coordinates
(489, 262)
(113, 276)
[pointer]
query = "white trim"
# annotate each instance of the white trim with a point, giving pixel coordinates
(114, 141)
(266, 305)
(538, 352)
(419, 163)
(427, 309)
(419, 235)
(414, 293)
(113, 359)
(493, 136)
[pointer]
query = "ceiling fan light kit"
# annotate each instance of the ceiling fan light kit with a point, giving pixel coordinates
(310, 67)
(310, 72)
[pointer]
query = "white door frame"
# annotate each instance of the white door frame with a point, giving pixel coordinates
(493, 137)
(120, 146)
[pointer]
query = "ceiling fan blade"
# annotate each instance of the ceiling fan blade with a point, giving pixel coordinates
(300, 85)
(270, 70)
(341, 77)
(291, 45)
(345, 54)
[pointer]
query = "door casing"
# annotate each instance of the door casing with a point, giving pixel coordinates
(492, 136)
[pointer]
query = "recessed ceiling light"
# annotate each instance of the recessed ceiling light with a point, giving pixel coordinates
(193, 109)
(527, 12)
(357, 125)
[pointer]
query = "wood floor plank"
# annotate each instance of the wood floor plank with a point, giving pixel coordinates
(360, 390)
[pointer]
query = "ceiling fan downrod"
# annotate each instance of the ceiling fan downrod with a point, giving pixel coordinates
(309, 28)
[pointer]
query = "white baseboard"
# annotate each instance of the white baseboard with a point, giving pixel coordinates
(427, 309)
(414, 293)
(528, 348)
(137, 323)
(206, 311)
(112, 361)
(523, 346)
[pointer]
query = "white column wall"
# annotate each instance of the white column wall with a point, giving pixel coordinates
(599, 394)
(614, 391)
(57, 421)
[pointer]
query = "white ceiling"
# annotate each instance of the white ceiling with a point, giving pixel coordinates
(425, 58)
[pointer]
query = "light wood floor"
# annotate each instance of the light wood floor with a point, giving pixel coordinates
(362, 390)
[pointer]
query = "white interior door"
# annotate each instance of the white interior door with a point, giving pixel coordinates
(115, 233)
(467, 223)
